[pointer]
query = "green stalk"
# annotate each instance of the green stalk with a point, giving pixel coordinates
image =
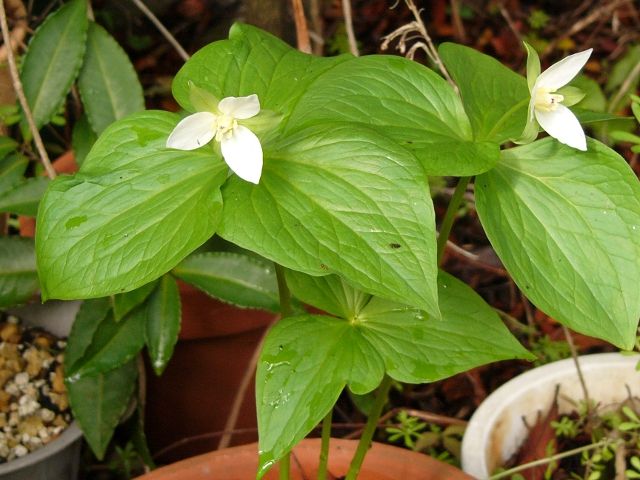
(324, 447)
(450, 215)
(283, 292)
(285, 464)
(285, 310)
(369, 429)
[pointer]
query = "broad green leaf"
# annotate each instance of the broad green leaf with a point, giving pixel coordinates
(328, 293)
(7, 145)
(82, 139)
(494, 96)
(18, 276)
(99, 401)
(340, 199)
(418, 350)
(124, 303)
(298, 382)
(91, 314)
(53, 59)
(586, 116)
(162, 322)
(131, 214)
(403, 101)
(113, 345)
(235, 278)
(12, 168)
(594, 100)
(356, 350)
(622, 69)
(251, 61)
(108, 83)
(23, 199)
(400, 99)
(566, 224)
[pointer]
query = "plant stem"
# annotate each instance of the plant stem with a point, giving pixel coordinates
(162, 29)
(369, 429)
(285, 464)
(324, 447)
(450, 216)
(576, 361)
(552, 458)
(283, 292)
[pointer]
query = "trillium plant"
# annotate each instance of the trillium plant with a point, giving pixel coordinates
(313, 175)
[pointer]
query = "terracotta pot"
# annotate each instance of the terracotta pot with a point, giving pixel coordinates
(383, 462)
(498, 427)
(191, 401)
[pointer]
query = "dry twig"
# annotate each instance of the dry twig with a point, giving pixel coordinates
(348, 23)
(302, 31)
(414, 31)
(163, 30)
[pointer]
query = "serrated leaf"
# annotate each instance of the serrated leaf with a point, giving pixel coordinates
(24, 198)
(108, 83)
(18, 276)
(113, 345)
(494, 96)
(131, 214)
(163, 322)
(7, 145)
(340, 199)
(566, 225)
(53, 59)
(99, 401)
(234, 278)
(124, 303)
(82, 138)
(357, 350)
(91, 314)
(12, 168)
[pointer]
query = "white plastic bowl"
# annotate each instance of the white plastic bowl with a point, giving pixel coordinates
(496, 429)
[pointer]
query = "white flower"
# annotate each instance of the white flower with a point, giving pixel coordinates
(547, 105)
(241, 148)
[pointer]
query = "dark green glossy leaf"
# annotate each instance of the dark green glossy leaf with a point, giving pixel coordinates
(108, 83)
(162, 322)
(91, 314)
(98, 402)
(12, 168)
(53, 59)
(18, 276)
(82, 139)
(113, 345)
(235, 278)
(124, 303)
(24, 198)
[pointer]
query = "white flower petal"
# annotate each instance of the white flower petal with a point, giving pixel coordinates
(562, 72)
(243, 153)
(240, 108)
(563, 125)
(193, 131)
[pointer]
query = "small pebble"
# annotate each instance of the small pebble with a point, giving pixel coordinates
(34, 406)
